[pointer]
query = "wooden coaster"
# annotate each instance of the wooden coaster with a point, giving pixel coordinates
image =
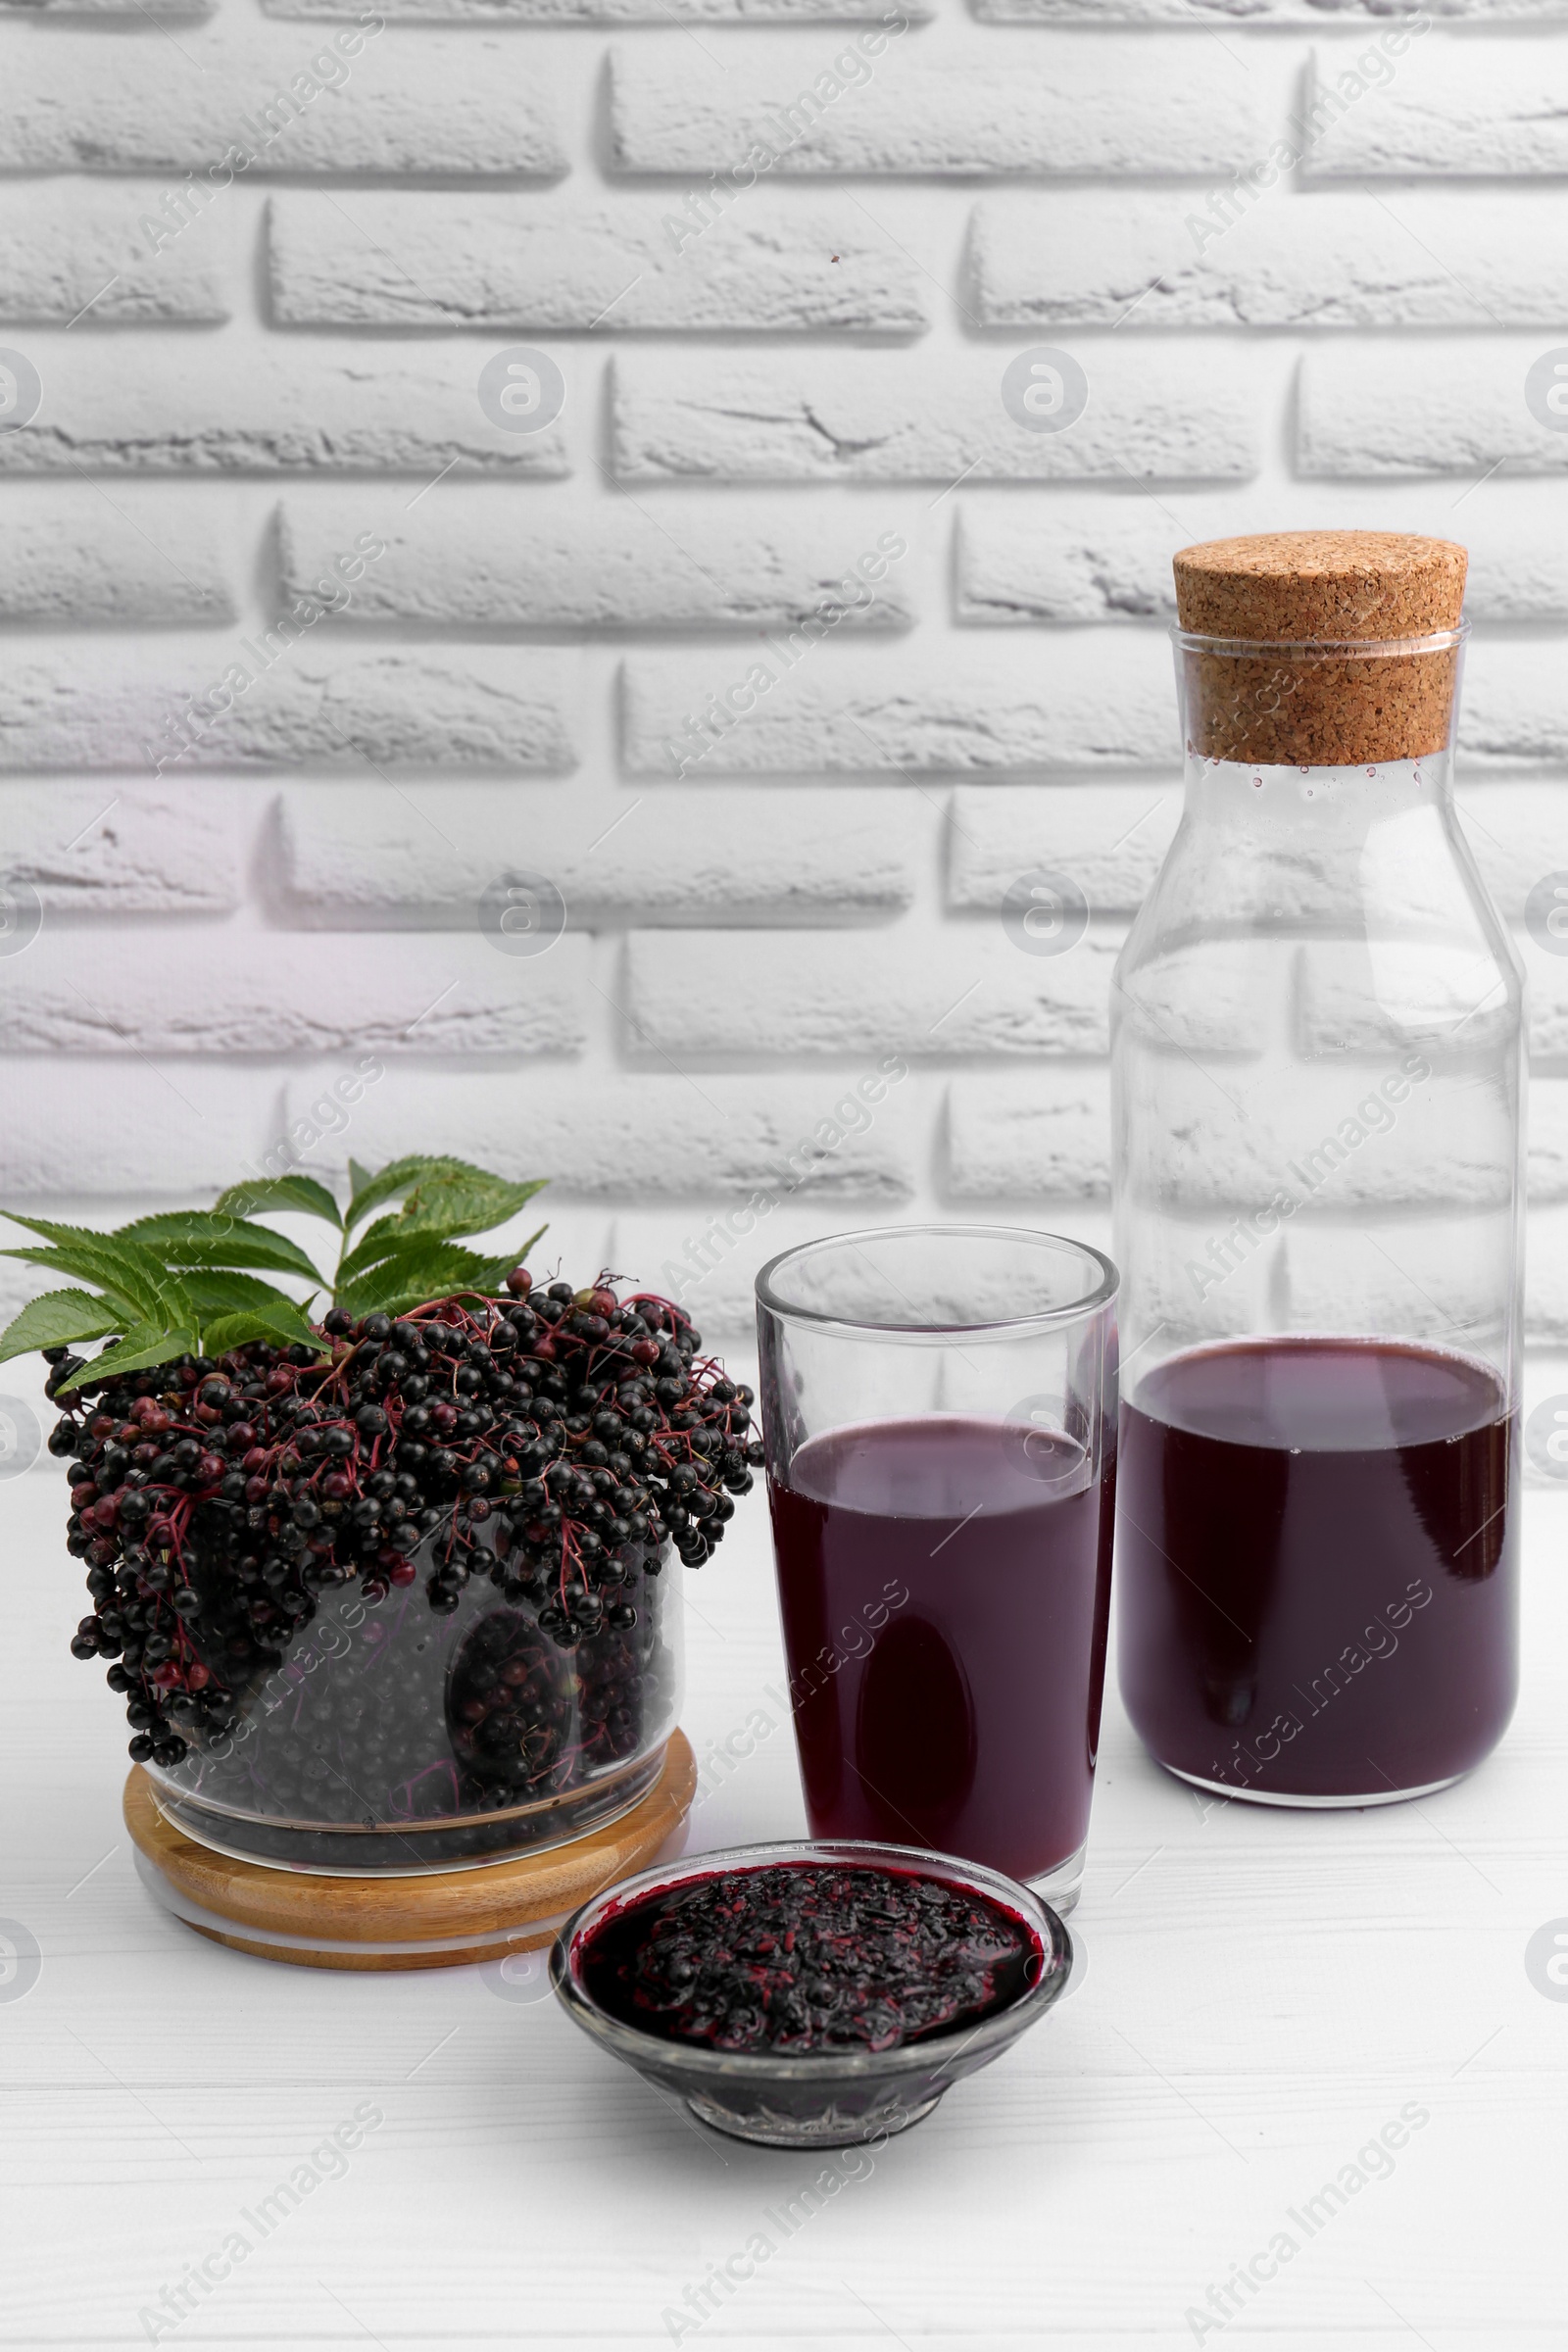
(444, 1919)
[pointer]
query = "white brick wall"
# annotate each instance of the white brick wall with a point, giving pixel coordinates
(781, 253)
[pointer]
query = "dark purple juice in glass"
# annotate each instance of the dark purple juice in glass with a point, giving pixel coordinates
(944, 1585)
(1318, 1566)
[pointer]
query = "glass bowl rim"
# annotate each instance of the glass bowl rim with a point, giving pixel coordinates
(923, 2057)
(1321, 648)
(1106, 1287)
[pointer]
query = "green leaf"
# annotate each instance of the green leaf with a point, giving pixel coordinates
(282, 1324)
(443, 1210)
(461, 1201)
(418, 1270)
(394, 1297)
(450, 1206)
(143, 1345)
(56, 1319)
(52, 1232)
(396, 1177)
(279, 1192)
(129, 1274)
(216, 1293)
(202, 1237)
(70, 1261)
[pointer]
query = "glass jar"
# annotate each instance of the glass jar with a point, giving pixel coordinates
(1318, 1075)
(390, 1738)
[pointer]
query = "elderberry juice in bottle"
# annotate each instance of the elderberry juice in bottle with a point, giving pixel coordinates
(1317, 1098)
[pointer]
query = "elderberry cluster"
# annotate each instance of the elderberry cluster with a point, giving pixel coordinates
(558, 1443)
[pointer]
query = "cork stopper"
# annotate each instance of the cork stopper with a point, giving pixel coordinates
(1320, 589)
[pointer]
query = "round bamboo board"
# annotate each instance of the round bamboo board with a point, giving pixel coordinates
(441, 1920)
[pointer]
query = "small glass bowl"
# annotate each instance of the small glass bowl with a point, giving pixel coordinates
(839, 2099)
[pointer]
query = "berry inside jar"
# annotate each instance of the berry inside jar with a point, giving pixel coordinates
(802, 1959)
(395, 1594)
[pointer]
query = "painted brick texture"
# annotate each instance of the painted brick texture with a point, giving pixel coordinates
(373, 715)
(1015, 105)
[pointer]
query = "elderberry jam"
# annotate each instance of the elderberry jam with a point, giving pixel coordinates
(797, 1959)
(812, 1993)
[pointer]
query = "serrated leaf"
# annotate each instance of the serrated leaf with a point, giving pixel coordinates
(460, 1202)
(51, 1231)
(447, 1208)
(172, 1301)
(129, 1272)
(396, 1177)
(187, 1238)
(418, 1260)
(279, 1192)
(219, 1293)
(57, 1318)
(419, 1269)
(282, 1324)
(393, 1297)
(134, 1297)
(143, 1345)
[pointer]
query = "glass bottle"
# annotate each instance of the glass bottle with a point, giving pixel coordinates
(1317, 1094)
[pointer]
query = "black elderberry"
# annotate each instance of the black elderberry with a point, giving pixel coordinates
(262, 1494)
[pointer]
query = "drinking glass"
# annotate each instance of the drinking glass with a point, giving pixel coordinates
(939, 1411)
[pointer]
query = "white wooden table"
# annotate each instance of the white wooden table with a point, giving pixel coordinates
(1264, 1993)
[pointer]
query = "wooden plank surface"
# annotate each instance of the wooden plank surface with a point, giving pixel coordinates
(1263, 1993)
